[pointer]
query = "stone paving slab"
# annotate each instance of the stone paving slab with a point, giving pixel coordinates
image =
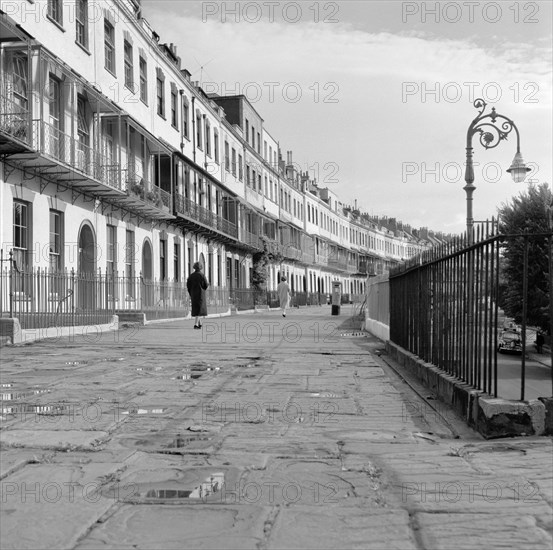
(179, 527)
(182, 462)
(300, 527)
(45, 506)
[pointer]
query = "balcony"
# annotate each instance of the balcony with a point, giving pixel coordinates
(338, 263)
(185, 208)
(321, 259)
(251, 239)
(291, 252)
(15, 135)
(145, 196)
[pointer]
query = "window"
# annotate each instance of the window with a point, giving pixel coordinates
(81, 22)
(111, 259)
(129, 70)
(176, 261)
(253, 137)
(21, 233)
(258, 142)
(264, 149)
(109, 47)
(240, 168)
(55, 11)
(248, 182)
(266, 187)
(20, 81)
(247, 131)
(234, 162)
(174, 111)
(259, 184)
(54, 143)
(198, 130)
(227, 157)
(83, 135)
(143, 68)
(185, 117)
(129, 262)
(163, 259)
(160, 87)
(216, 144)
(207, 137)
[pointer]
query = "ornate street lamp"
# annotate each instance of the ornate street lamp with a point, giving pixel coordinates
(492, 128)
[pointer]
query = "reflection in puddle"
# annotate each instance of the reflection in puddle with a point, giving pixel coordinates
(21, 395)
(48, 409)
(211, 485)
(143, 411)
(184, 441)
(74, 363)
(148, 369)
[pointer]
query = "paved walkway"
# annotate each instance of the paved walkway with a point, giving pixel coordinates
(255, 432)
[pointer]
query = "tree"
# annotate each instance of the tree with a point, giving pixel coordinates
(528, 214)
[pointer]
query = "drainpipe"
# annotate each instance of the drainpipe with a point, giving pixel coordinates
(193, 130)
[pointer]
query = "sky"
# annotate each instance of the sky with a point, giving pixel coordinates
(375, 98)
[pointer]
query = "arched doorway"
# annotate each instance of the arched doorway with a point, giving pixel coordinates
(86, 267)
(147, 274)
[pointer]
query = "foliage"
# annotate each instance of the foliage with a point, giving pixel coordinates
(528, 213)
(261, 260)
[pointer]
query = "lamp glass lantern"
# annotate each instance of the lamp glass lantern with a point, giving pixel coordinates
(518, 169)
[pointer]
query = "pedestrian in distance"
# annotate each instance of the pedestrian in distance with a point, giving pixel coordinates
(197, 285)
(283, 291)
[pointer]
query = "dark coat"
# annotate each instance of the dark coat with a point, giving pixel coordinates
(197, 285)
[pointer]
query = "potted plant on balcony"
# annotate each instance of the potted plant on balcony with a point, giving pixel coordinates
(136, 187)
(154, 197)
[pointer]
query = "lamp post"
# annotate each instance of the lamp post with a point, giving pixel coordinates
(493, 128)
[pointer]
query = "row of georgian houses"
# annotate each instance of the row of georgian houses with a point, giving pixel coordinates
(114, 163)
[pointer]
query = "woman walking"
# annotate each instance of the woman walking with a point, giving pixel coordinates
(283, 291)
(197, 285)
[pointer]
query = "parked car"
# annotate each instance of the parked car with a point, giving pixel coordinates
(510, 341)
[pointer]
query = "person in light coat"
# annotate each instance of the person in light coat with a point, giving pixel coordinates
(283, 291)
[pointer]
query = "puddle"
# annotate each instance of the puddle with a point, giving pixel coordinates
(144, 411)
(112, 359)
(357, 334)
(172, 443)
(182, 441)
(326, 394)
(75, 363)
(148, 369)
(195, 486)
(21, 395)
(44, 410)
(181, 377)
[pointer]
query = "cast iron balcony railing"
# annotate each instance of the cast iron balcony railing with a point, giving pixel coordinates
(61, 147)
(186, 208)
(151, 194)
(14, 120)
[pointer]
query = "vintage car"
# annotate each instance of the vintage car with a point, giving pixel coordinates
(510, 341)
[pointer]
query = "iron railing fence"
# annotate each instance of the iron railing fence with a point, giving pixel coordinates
(444, 307)
(43, 298)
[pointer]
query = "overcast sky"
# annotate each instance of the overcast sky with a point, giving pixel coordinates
(375, 98)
